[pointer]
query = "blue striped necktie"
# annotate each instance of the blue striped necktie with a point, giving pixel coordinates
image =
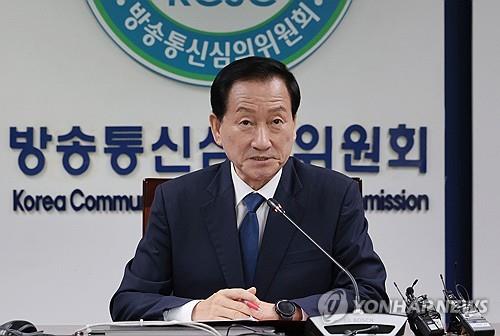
(249, 236)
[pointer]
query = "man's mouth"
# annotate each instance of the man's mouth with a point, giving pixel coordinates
(261, 158)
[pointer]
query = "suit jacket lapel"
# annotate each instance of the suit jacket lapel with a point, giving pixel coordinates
(220, 217)
(279, 232)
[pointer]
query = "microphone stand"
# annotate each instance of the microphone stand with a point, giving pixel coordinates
(357, 322)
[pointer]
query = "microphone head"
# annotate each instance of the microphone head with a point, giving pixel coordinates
(273, 204)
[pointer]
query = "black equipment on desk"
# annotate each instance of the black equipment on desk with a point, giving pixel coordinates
(423, 318)
(16, 327)
(20, 328)
(464, 315)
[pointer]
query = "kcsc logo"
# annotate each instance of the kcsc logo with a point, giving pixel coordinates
(191, 40)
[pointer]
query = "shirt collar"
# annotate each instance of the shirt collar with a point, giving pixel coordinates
(241, 189)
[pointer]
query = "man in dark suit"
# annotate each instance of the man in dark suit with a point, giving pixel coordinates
(213, 250)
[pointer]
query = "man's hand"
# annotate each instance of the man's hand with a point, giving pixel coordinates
(227, 304)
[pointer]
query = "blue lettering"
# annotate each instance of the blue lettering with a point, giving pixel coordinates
(78, 201)
(388, 202)
(17, 200)
(60, 203)
(232, 3)
(75, 193)
(184, 2)
(423, 199)
(90, 203)
(411, 202)
(399, 202)
(29, 203)
(395, 202)
(403, 203)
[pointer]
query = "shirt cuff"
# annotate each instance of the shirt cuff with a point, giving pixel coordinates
(182, 313)
(304, 315)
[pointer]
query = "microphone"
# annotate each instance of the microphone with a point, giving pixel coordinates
(352, 324)
(366, 330)
(423, 318)
(464, 315)
(273, 204)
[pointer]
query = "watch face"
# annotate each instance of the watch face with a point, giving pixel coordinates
(286, 308)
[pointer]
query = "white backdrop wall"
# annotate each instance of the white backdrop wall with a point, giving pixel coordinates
(383, 66)
(486, 146)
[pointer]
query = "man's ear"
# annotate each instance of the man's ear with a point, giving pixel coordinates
(215, 127)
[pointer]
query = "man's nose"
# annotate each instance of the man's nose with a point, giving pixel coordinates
(261, 140)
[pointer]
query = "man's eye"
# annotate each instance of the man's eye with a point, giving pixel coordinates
(277, 121)
(245, 122)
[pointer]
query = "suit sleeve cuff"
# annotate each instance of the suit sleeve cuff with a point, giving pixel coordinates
(182, 313)
(304, 314)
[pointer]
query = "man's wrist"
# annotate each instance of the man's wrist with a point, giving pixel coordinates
(182, 313)
(298, 316)
(288, 310)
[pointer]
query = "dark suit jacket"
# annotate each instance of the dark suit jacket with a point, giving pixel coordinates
(191, 247)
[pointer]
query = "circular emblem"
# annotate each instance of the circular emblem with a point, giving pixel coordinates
(191, 40)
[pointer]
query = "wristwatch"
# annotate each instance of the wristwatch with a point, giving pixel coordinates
(285, 309)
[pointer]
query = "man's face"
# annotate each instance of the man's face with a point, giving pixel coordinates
(257, 131)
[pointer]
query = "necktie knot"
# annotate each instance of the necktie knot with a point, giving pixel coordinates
(253, 201)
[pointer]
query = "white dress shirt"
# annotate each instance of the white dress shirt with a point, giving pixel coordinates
(241, 189)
